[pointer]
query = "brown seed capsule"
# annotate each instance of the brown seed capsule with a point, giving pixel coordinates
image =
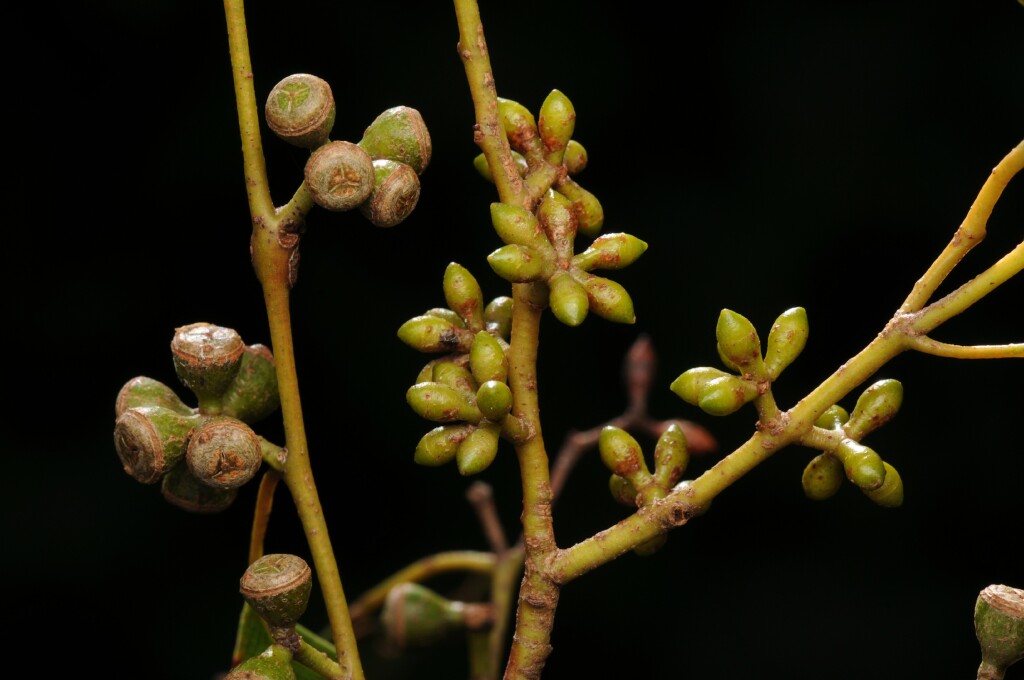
(277, 587)
(207, 359)
(399, 134)
(150, 440)
(339, 176)
(300, 110)
(395, 194)
(180, 487)
(224, 452)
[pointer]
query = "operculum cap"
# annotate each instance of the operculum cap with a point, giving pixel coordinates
(277, 587)
(180, 488)
(438, 446)
(273, 664)
(478, 450)
(890, 494)
(150, 440)
(300, 110)
(568, 299)
(399, 134)
(786, 340)
(396, 191)
(822, 477)
(206, 359)
(690, 384)
(253, 394)
(143, 391)
(610, 251)
(224, 452)
(738, 342)
(463, 294)
(875, 407)
(339, 176)
(556, 123)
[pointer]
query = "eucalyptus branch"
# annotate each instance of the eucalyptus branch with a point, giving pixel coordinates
(261, 513)
(926, 345)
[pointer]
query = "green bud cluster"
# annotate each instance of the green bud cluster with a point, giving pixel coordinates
(155, 430)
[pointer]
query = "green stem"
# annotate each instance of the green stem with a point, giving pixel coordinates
(261, 514)
(926, 345)
(317, 661)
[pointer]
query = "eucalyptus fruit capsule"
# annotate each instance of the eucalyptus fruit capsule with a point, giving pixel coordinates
(277, 587)
(723, 396)
(520, 264)
(556, 123)
(438, 446)
(622, 491)
(143, 391)
(399, 134)
(494, 399)
(568, 299)
(440, 403)
(206, 360)
(463, 294)
(396, 191)
(515, 224)
(863, 466)
(416, 616)
(253, 394)
(300, 110)
(273, 664)
(822, 477)
(224, 452)
(833, 418)
(875, 407)
(498, 316)
(890, 494)
(455, 376)
(339, 176)
(999, 627)
(480, 163)
(575, 157)
(610, 251)
(671, 456)
(150, 440)
(487, 360)
(179, 487)
(608, 299)
(588, 210)
(738, 343)
(786, 340)
(690, 384)
(518, 123)
(429, 333)
(478, 450)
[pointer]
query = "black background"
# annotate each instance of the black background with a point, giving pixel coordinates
(772, 154)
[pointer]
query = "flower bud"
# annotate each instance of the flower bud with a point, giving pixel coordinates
(609, 300)
(568, 299)
(999, 627)
(396, 190)
(430, 333)
(224, 452)
(494, 399)
(890, 494)
(690, 384)
(416, 616)
(447, 315)
(150, 440)
(487, 359)
(478, 450)
(440, 403)
(399, 134)
(726, 395)
(454, 375)
(555, 215)
(438, 446)
(738, 343)
(875, 407)
(518, 123)
(339, 176)
(480, 163)
(300, 110)
(622, 491)
(586, 207)
(833, 418)
(670, 457)
(143, 391)
(253, 395)
(180, 487)
(519, 264)
(206, 359)
(556, 123)
(621, 453)
(515, 224)
(498, 316)
(610, 251)
(863, 466)
(273, 664)
(575, 157)
(822, 477)
(277, 587)
(786, 340)
(462, 292)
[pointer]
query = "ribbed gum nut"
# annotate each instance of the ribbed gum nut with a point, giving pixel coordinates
(890, 494)
(224, 453)
(622, 491)
(462, 292)
(575, 157)
(150, 440)
(875, 407)
(396, 190)
(300, 110)
(399, 134)
(494, 399)
(610, 251)
(671, 457)
(726, 395)
(438, 446)
(863, 466)
(478, 450)
(518, 123)
(455, 376)
(277, 587)
(481, 165)
(447, 315)
(273, 664)
(143, 391)
(429, 334)
(339, 176)
(253, 394)
(556, 122)
(487, 360)
(609, 300)
(822, 477)
(440, 403)
(999, 627)
(586, 207)
(620, 452)
(519, 264)
(738, 342)
(555, 215)
(498, 316)
(206, 358)
(568, 299)
(416, 616)
(690, 384)
(179, 487)
(786, 340)
(833, 418)
(515, 224)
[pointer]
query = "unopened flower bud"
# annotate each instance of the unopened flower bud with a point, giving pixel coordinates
(822, 477)
(610, 251)
(498, 316)
(300, 110)
(555, 216)
(447, 315)
(480, 163)
(519, 124)
(462, 292)
(150, 440)
(277, 587)
(180, 488)
(515, 224)
(786, 340)
(863, 466)
(253, 394)
(738, 343)
(206, 359)
(440, 403)
(621, 453)
(588, 210)
(556, 122)
(875, 407)
(833, 418)
(430, 334)
(438, 446)
(224, 452)
(396, 190)
(890, 494)
(476, 453)
(670, 457)
(622, 491)
(487, 359)
(143, 391)
(494, 399)
(726, 395)
(568, 299)
(575, 157)
(399, 134)
(690, 385)
(454, 375)
(520, 264)
(339, 176)
(608, 299)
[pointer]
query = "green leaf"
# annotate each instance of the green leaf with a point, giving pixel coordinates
(252, 639)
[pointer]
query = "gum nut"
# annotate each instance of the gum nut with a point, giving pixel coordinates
(300, 110)
(822, 477)
(416, 616)
(277, 587)
(999, 627)
(339, 176)
(609, 300)
(723, 396)
(253, 394)
(611, 251)
(671, 456)
(575, 157)
(480, 163)
(180, 488)
(620, 452)
(399, 134)
(487, 360)
(833, 418)
(440, 403)
(498, 316)
(586, 207)
(150, 440)
(568, 299)
(273, 664)
(518, 123)
(143, 391)
(476, 453)
(690, 384)
(556, 121)
(863, 466)
(206, 358)
(429, 333)
(875, 407)
(622, 491)
(494, 399)
(224, 452)
(454, 375)
(462, 292)
(648, 548)
(396, 191)
(890, 494)
(519, 264)
(786, 340)
(737, 340)
(438, 446)
(515, 224)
